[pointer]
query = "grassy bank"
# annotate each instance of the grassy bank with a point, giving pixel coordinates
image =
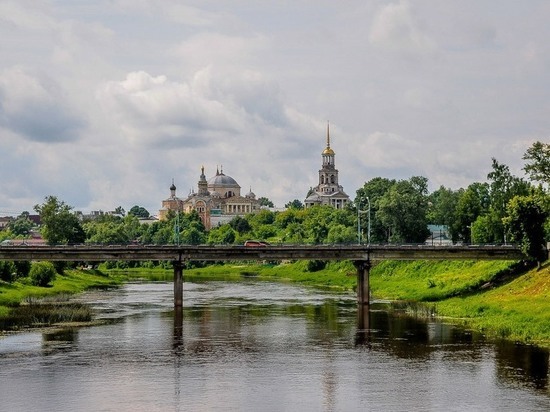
(24, 304)
(518, 310)
(483, 295)
(500, 298)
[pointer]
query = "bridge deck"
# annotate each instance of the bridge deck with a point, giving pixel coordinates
(88, 253)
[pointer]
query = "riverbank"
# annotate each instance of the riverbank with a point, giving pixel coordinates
(499, 298)
(502, 299)
(23, 305)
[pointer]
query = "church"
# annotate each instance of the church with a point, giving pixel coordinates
(217, 200)
(328, 191)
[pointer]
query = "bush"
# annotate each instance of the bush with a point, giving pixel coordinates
(23, 268)
(315, 265)
(7, 269)
(42, 273)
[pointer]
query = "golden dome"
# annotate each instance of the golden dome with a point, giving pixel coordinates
(328, 151)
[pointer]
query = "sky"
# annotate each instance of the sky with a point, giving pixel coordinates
(103, 103)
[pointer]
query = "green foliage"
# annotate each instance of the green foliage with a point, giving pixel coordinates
(503, 187)
(472, 203)
(339, 233)
(525, 223)
(294, 204)
(224, 235)
(22, 268)
(240, 224)
(264, 201)
(316, 265)
(402, 210)
(374, 190)
(442, 205)
(7, 270)
(22, 225)
(42, 273)
(481, 230)
(139, 211)
(538, 162)
(59, 224)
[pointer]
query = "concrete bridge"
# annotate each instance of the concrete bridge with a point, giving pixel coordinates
(361, 255)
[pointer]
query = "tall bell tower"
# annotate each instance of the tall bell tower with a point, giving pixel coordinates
(328, 191)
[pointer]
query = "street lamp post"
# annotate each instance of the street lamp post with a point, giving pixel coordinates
(359, 213)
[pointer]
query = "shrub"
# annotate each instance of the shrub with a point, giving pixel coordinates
(23, 268)
(42, 273)
(7, 269)
(315, 265)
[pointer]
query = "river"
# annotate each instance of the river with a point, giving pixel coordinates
(260, 346)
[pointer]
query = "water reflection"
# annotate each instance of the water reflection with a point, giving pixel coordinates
(59, 340)
(528, 364)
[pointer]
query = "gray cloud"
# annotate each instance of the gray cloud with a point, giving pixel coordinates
(36, 108)
(138, 93)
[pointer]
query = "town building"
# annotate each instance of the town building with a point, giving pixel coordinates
(217, 200)
(328, 191)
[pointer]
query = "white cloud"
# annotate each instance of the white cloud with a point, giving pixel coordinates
(395, 28)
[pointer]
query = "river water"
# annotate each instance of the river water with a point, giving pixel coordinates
(258, 346)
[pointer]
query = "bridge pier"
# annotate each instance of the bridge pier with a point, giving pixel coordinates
(363, 287)
(178, 284)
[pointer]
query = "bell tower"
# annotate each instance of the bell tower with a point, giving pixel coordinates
(328, 175)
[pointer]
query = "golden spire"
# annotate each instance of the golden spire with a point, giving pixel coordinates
(328, 150)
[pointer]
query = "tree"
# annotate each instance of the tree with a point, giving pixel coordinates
(264, 201)
(139, 211)
(22, 225)
(526, 216)
(339, 233)
(472, 202)
(503, 187)
(538, 162)
(294, 204)
(193, 236)
(442, 205)
(402, 210)
(59, 224)
(374, 189)
(240, 224)
(120, 211)
(222, 235)
(42, 273)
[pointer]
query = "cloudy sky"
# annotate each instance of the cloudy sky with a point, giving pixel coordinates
(104, 102)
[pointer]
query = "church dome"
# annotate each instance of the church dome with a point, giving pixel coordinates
(222, 180)
(328, 151)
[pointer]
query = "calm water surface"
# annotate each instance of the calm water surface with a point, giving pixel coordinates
(257, 346)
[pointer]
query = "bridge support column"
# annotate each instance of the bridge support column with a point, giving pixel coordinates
(178, 284)
(363, 287)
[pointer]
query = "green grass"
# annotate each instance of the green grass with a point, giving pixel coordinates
(518, 310)
(426, 281)
(73, 281)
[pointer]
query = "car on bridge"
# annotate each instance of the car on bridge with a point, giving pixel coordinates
(255, 243)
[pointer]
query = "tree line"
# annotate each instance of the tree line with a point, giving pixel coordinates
(504, 209)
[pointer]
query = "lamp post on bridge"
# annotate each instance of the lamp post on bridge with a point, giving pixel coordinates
(359, 213)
